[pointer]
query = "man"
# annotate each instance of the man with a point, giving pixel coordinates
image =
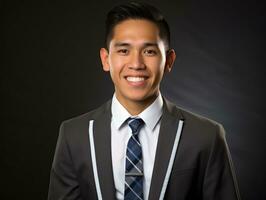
(139, 145)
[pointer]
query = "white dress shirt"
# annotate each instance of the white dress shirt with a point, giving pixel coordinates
(148, 136)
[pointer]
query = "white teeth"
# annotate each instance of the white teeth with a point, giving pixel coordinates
(135, 79)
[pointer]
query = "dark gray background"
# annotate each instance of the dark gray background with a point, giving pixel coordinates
(50, 71)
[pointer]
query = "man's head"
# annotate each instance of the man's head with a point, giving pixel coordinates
(137, 56)
(136, 10)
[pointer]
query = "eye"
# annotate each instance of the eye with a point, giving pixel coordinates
(150, 52)
(123, 51)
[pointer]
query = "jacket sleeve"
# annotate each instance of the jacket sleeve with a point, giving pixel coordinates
(220, 180)
(63, 179)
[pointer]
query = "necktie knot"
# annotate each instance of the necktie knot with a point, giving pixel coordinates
(135, 124)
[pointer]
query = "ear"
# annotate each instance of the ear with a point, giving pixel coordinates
(104, 58)
(170, 59)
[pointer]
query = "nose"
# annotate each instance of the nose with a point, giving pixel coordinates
(136, 61)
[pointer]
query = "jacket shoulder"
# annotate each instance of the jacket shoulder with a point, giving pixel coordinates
(190, 117)
(75, 130)
(204, 131)
(91, 115)
(198, 119)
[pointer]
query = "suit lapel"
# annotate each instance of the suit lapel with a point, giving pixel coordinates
(102, 141)
(168, 129)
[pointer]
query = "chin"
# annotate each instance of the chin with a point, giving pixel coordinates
(139, 97)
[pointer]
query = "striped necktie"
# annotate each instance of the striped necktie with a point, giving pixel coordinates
(134, 165)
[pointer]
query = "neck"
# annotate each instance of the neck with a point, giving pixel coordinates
(136, 107)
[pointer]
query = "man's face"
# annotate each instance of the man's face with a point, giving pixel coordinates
(136, 60)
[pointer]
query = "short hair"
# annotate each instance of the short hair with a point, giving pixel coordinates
(136, 10)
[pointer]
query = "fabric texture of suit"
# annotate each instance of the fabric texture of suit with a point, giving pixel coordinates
(202, 169)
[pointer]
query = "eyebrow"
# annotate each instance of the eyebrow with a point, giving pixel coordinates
(121, 44)
(125, 44)
(148, 44)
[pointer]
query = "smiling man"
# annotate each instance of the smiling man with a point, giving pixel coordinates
(138, 145)
(137, 60)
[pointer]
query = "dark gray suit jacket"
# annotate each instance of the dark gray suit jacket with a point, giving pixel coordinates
(202, 168)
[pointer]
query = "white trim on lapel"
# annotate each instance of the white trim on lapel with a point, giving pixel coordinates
(172, 158)
(94, 164)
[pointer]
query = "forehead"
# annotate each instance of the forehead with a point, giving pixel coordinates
(136, 30)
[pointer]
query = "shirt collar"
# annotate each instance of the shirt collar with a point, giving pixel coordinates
(119, 113)
(150, 115)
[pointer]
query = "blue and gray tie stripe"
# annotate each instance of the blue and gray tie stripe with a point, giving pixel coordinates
(134, 164)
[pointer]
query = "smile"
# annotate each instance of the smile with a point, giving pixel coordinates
(135, 79)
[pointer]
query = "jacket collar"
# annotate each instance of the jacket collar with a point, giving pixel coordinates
(169, 125)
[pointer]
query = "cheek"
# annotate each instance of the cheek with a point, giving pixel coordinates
(157, 67)
(158, 61)
(115, 64)
(158, 72)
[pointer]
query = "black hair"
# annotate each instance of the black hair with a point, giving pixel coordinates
(136, 10)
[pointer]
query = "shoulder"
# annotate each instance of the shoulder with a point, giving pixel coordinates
(91, 115)
(76, 128)
(190, 117)
(197, 120)
(197, 128)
